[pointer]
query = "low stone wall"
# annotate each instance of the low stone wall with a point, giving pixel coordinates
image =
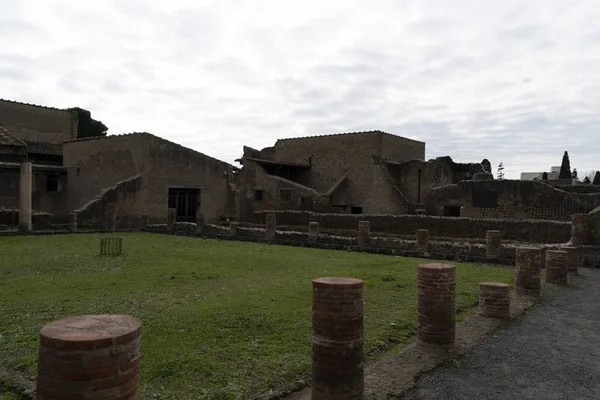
(531, 231)
(9, 219)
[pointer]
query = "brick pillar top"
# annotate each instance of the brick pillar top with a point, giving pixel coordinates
(494, 284)
(436, 266)
(89, 332)
(349, 283)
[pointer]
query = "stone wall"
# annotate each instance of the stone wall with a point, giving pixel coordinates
(9, 219)
(525, 230)
(34, 123)
(510, 199)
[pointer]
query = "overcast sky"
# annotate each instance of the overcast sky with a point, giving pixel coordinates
(517, 82)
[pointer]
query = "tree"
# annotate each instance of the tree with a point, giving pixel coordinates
(574, 174)
(487, 166)
(87, 126)
(596, 178)
(565, 167)
(501, 171)
(587, 180)
(591, 175)
(545, 176)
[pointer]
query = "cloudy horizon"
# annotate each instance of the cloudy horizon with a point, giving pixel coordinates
(515, 83)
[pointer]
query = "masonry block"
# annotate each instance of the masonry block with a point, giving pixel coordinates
(199, 222)
(493, 244)
(579, 230)
(494, 299)
(72, 222)
(171, 217)
(89, 357)
(556, 267)
(436, 301)
(364, 234)
(423, 239)
(528, 264)
(313, 232)
(573, 259)
(233, 228)
(271, 226)
(338, 339)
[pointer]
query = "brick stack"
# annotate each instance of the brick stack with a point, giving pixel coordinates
(338, 339)
(423, 239)
(89, 357)
(528, 264)
(233, 228)
(579, 229)
(556, 267)
(494, 299)
(436, 300)
(271, 226)
(364, 234)
(573, 259)
(493, 242)
(313, 232)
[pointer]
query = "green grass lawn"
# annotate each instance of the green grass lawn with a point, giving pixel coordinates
(222, 320)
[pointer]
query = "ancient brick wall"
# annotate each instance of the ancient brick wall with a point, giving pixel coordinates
(594, 227)
(525, 230)
(36, 123)
(511, 199)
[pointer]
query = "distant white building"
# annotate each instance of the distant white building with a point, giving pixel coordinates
(530, 176)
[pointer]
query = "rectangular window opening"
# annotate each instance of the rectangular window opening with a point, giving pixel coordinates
(51, 183)
(452, 211)
(185, 202)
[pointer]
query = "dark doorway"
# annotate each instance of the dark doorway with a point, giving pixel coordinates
(185, 201)
(356, 210)
(452, 211)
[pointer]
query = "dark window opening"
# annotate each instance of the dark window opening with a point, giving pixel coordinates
(51, 183)
(452, 211)
(258, 195)
(285, 194)
(185, 202)
(356, 210)
(485, 198)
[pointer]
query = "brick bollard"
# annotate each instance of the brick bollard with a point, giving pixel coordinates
(364, 234)
(436, 300)
(144, 221)
(579, 229)
(338, 339)
(233, 228)
(199, 223)
(271, 226)
(111, 217)
(573, 259)
(423, 239)
(556, 267)
(89, 357)
(528, 264)
(313, 232)
(493, 243)
(171, 217)
(494, 299)
(73, 222)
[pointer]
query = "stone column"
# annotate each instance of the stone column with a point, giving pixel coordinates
(73, 222)
(313, 232)
(199, 223)
(579, 229)
(111, 217)
(271, 226)
(144, 221)
(528, 262)
(171, 217)
(89, 357)
(494, 299)
(422, 239)
(436, 300)
(556, 267)
(233, 228)
(25, 197)
(493, 243)
(364, 234)
(573, 259)
(338, 339)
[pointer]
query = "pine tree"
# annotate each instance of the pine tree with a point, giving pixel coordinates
(586, 180)
(597, 178)
(501, 171)
(565, 167)
(487, 165)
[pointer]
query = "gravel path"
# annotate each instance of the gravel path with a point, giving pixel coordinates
(552, 352)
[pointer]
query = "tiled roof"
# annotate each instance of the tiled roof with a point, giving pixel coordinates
(8, 140)
(350, 133)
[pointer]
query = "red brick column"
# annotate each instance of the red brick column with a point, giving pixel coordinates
(579, 229)
(89, 357)
(423, 239)
(494, 299)
(436, 300)
(171, 217)
(271, 226)
(364, 234)
(233, 228)
(527, 271)
(338, 339)
(573, 259)
(313, 232)
(556, 267)
(493, 241)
